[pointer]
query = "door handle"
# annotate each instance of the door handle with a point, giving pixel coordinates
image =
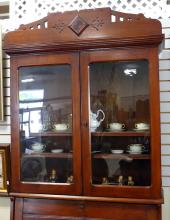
(82, 205)
(85, 124)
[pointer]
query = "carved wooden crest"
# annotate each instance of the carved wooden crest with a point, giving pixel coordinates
(84, 29)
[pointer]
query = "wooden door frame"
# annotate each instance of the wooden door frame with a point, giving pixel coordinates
(41, 60)
(120, 54)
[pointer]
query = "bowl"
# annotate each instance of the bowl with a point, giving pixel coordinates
(117, 151)
(56, 151)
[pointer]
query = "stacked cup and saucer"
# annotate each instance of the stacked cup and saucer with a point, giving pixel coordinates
(116, 127)
(37, 147)
(136, 149)
(141, 126)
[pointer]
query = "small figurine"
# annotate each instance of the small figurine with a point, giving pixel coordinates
(70, 179)
(105, 181)
(53, 177)
(130, 181)
(120, 180)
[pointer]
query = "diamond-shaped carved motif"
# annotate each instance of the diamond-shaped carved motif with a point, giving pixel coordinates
(78, 25)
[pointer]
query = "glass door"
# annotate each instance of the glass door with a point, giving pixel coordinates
(48, 105)
(119, 123)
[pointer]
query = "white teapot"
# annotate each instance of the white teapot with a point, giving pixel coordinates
(94, 123)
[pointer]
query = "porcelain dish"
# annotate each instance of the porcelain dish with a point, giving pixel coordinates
(56, 151)
(115, 130)
(117, 151)
(144, 129)
(135, 152)
(37, 151)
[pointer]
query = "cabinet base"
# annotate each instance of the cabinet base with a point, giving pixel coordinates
(48, 209)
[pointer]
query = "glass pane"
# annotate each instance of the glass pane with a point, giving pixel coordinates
(45, 108)
(120, 123)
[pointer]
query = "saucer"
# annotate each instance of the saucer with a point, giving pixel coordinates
(96, 151)
(62, 130)
(37, 151)
(115, 130)
(134, 152)
(143, 129)
(30, 151)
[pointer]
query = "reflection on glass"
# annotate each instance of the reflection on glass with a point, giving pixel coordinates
(45, 108)
(120, 123)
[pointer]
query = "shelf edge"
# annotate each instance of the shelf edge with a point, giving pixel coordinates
(156, 201)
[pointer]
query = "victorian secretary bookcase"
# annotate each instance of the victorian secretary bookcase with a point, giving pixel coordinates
(85, 117)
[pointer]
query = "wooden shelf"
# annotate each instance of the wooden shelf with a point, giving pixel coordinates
(122, 156)
(97, 156)
(50, 133)
(45, 100)
(124, 133)
(49, 155)
(105, 133)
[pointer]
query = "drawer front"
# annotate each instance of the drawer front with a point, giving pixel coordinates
(46, 209)
(122, 211)
(52, 208)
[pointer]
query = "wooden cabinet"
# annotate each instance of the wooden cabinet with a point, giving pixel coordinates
(85, 117)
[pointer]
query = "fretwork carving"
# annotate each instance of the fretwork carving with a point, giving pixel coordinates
(78, 23)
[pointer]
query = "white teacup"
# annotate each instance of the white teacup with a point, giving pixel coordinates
(136, 148)
(116, 126)
(37, 147)
(60, 127)
(142, 126)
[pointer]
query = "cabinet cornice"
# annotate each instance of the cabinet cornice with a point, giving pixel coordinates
(77, 30)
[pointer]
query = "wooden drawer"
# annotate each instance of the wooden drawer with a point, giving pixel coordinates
(121, 211)
(46, 209)
(53, 207)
